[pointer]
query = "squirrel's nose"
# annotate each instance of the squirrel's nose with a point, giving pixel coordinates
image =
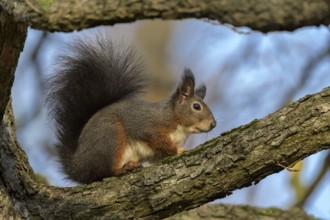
(213, 124)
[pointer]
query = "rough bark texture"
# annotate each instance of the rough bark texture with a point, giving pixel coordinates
(7, 193)
(234, 160)
(68, 15)
(12, 37)
(235, 212)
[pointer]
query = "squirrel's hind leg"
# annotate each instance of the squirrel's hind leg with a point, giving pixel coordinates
(125, 160)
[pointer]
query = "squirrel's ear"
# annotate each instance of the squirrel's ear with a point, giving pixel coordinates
(186, 88)
(200, 92)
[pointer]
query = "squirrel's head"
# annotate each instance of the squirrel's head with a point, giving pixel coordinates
(190, 110)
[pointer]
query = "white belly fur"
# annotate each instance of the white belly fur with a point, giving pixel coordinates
(138, 151)
(179, 136)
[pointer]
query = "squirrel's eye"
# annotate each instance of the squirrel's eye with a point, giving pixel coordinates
(197, 106)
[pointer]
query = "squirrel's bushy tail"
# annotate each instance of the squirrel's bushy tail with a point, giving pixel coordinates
(90, 75)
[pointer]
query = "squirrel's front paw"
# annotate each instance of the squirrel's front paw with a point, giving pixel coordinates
(131, 165)
(180, 150)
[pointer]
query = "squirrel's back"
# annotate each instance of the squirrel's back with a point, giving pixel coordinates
(89, 75)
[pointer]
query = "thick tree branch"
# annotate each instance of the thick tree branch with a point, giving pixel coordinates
(234, 160)
(10, 161)
(234, 212)
(68, 15)
(12, 38)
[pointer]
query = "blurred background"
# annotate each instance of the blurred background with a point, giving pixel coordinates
(248, 75)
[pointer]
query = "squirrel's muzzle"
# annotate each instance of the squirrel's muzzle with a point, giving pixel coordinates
(213, 124)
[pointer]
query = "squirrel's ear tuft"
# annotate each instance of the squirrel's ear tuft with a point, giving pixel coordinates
(186, 88)
(187, 83)
(200, 92)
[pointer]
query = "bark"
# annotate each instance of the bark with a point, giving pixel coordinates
(234, 212)
(12, 37)
(233, 160)
(68, 15)
(7, 207)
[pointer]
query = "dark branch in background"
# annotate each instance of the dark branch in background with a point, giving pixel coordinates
(265, 16)
(302, 200)
(306, 73)
(34, 62)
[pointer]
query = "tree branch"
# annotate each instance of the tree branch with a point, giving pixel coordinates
(12, 38)
(234, 160)
(68, 15)
(234, 212)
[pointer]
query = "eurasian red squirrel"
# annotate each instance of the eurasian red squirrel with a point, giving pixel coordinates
(104, 127)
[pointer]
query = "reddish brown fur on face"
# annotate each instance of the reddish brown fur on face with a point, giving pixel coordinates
(121, 140)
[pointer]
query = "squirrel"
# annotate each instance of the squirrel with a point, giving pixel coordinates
(103, 126)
